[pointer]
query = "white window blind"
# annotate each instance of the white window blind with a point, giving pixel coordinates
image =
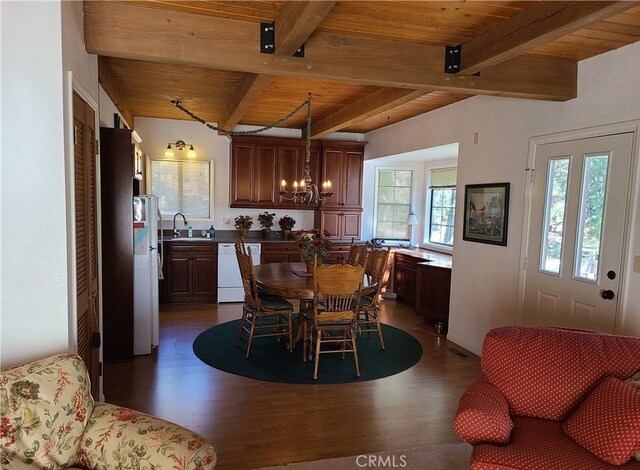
(182, 186)
(393, 196)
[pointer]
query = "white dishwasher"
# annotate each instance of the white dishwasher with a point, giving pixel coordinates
(229, 281)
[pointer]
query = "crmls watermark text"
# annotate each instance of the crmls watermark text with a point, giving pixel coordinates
(381, 461)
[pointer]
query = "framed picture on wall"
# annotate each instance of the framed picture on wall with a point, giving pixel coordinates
(486, 213)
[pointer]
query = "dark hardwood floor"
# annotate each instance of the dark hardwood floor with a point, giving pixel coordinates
(255, 424)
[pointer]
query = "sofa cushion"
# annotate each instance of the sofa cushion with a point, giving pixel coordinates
(607, 422)
(44, 408)
(538, 444)
(634, 381)
(118, 437)
(542, 371)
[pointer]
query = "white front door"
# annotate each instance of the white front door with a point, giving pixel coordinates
(572, 269)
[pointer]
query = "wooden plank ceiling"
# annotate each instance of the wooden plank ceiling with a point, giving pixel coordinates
(368, 64)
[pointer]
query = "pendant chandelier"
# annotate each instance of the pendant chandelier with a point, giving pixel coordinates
(303, 192)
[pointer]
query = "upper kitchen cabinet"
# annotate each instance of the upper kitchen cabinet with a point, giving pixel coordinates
(253, 167)
(290, 168)
(259, 164)
(342, 164)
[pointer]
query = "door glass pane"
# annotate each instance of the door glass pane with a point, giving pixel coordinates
(592, 195)
(554, 214)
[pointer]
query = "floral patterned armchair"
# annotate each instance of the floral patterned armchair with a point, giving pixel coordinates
(49, 420)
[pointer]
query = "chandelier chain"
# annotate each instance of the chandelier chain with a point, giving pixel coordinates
(308, 191)
(278, 123)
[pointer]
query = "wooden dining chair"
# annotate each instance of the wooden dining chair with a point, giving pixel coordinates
(368, 318)
(334, 313)
(262, 314)
(358, 254)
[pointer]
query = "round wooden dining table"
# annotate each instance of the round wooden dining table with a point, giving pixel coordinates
(280, 279)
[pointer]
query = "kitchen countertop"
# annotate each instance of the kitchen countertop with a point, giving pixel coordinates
(222, 236)
(432, 258)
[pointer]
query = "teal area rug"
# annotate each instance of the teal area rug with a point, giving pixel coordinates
(270, 361)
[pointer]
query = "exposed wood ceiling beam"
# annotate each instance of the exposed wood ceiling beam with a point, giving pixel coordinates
(246, 95)
(293, 26)
(371, 105)
(538, 25)
(111, 89)
(296, 22)
(129, 31)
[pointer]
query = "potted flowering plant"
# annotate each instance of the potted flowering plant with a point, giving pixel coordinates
(266, 222)
(243, 223)
(286, 224)
(313, 243)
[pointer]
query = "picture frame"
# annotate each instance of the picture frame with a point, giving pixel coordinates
(486, 213)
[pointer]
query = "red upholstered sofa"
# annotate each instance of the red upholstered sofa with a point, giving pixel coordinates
(533, 380)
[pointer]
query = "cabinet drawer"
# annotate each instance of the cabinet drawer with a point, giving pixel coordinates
(173, 247)
(280, 247)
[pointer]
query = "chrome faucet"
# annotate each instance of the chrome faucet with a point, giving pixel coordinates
(176, 232)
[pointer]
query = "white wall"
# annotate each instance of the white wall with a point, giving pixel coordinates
(74, 56)
(33, 241)
(419, 199)
(484, 279)
(368, 193)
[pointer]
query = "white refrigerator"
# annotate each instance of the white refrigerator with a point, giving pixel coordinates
(147, 270)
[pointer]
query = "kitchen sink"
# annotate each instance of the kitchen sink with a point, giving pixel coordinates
(188, 239)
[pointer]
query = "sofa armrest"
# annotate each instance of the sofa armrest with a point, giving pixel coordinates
(117, 437)
(483, 414)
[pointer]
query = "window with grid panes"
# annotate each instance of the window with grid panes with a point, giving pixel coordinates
(393, 204)
(442, 210)
(182, 186)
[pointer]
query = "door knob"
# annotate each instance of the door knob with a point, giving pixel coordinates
(607, 294)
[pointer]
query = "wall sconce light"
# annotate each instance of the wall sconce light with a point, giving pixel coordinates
(180, 145)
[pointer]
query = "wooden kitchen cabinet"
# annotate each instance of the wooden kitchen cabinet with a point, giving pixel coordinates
(259, 164)
(433, 287)
(253, 166)
(290, 167)
(342, 164)
(404, 277)
(342, 225)
(338, 253)
(341, 214)
(280, 252)
(190, 272)
(424, 281)
(289, 252)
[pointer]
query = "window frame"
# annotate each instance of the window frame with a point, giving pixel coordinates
(391, 241)
(210, 162)
(426, 242)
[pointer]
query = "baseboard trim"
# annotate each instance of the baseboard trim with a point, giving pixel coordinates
(460, 342)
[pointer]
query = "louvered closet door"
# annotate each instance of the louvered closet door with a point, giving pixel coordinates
(86, 236)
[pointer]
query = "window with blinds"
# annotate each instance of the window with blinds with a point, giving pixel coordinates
(442, 210)
(183, 186)
(393, 204)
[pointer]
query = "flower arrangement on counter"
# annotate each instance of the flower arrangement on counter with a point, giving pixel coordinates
(266, 219)
(243, 222)
(313, 243)
(286, 222)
